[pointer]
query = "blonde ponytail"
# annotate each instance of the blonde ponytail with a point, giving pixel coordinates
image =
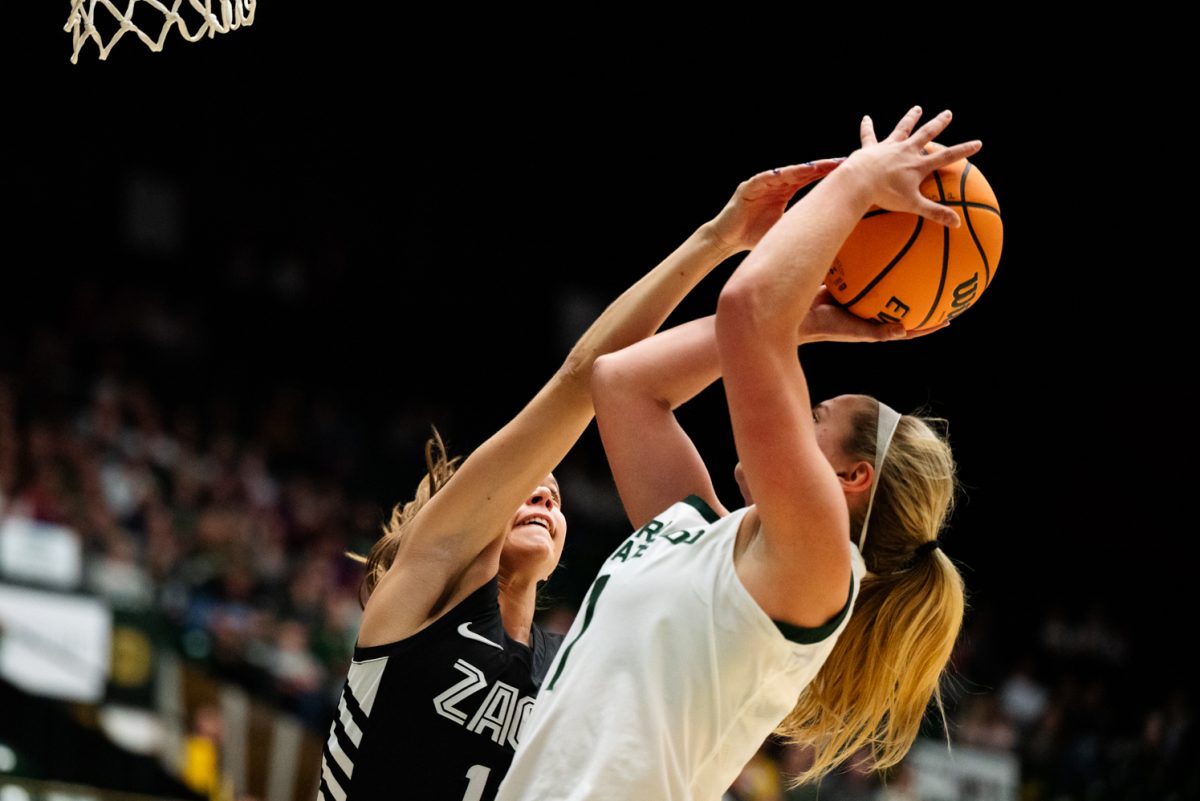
(887, 665)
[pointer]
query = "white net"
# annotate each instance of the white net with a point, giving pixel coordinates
(155, 19)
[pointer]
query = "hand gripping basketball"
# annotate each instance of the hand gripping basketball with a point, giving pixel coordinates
(899, 267)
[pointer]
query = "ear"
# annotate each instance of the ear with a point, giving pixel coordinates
(857, 478)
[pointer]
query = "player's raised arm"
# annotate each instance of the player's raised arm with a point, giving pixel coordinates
(805, 564)
(437, 556)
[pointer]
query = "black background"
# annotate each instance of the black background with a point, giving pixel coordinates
(452, 186)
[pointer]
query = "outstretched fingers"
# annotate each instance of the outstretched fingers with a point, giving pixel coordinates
(935, 211)
(789, 179)
(905, 127)
(905, 149)
(927, 132)
(866, 131)
(952, 154)
(806, 172)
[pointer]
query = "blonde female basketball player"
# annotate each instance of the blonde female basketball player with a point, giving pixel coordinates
(448, 659)
(707, 630)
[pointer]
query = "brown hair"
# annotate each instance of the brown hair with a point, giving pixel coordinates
(439, 468)
(887, 665)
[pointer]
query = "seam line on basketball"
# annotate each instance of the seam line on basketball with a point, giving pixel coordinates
(937, 179)
(962, 192)
(907, 246)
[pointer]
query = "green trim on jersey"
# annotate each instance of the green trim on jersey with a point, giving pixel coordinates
(797, 634)
(701, 506)
(803, 636)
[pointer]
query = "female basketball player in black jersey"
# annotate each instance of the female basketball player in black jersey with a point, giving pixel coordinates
(448, 658)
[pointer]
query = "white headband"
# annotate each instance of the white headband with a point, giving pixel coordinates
(885, 429)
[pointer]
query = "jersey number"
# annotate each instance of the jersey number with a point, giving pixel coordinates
(477, 777)
(593, 596)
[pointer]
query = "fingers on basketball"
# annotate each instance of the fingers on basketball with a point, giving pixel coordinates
(901, 267)
(938, 213)
(952, 154)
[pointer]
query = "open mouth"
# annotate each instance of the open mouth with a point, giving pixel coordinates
(538, 520)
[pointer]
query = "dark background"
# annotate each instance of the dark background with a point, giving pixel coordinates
(413, 221)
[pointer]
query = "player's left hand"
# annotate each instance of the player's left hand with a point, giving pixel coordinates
(827, 321)
(761, 200)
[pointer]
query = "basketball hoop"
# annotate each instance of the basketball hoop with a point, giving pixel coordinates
(81, 25)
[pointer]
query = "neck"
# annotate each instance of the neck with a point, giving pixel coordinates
(518, 602)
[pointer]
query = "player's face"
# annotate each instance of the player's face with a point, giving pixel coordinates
(833, 421)
(536, 532)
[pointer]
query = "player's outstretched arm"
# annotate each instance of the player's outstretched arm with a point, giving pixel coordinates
(438, 554)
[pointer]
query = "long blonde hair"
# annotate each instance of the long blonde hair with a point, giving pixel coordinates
(439, 469)
(887, 665)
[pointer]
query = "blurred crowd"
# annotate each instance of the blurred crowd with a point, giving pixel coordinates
(231, 517)
(179, 514)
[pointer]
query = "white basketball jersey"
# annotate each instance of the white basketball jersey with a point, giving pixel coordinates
(671, 676)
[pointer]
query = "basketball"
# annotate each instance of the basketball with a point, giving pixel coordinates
(901, 267)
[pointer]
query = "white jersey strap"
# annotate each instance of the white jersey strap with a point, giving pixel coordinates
(885, 429)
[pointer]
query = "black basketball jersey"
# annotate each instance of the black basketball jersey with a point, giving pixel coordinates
(435, 716)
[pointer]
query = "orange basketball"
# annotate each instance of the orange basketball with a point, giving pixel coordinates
(900, 267)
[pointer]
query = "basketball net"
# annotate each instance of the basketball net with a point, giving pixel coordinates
(230, 15)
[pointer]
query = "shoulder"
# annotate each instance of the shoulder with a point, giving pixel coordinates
(688, 511)
(801, 635)
(481, 606)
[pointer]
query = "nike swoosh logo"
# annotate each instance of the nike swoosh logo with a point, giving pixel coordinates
(465, 630)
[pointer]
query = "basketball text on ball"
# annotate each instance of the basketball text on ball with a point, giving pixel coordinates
(900, 308)
(964, 296)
